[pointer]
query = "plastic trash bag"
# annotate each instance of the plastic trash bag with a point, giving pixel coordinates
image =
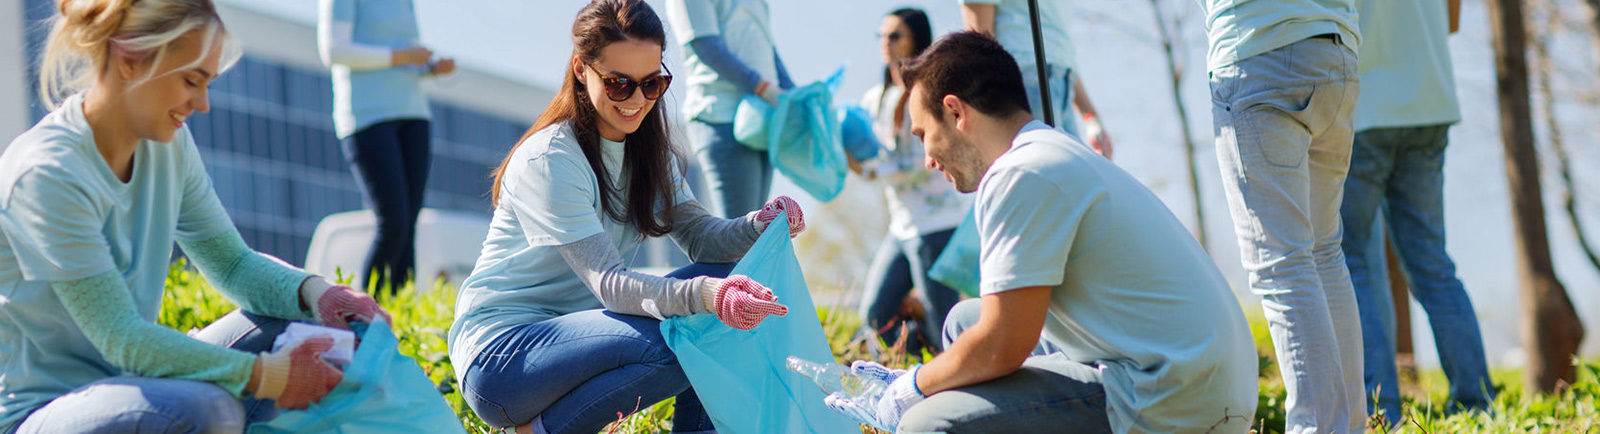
(382, 392)
(855, 132)
(803, 138)
(750, 122)
(740, 375)
(957, 266)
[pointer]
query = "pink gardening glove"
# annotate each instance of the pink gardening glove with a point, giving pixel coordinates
(742, 303)
(297, 377)
(797, 218)
(341, 303)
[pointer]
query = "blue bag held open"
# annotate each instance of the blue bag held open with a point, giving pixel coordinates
(740, 375)
(382, 392)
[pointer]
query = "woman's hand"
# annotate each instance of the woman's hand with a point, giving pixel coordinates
(740, 302)
(797, 217)
(295, 377)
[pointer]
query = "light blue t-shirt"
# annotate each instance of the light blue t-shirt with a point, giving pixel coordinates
(62, 210)
(362, 98)
(1133, 292)
(548, 197)
(1238, 29)
(1013, 27)
(745, 28)
(1406, 76)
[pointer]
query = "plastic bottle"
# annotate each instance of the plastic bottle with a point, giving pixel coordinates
(835, 378)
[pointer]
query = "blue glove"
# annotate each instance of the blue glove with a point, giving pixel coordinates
(885, 413)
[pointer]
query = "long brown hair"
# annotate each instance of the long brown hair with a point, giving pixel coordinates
(647, 158)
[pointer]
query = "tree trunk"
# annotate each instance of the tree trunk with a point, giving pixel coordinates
(1399, 291)
(1176, 72)
(1550, 327)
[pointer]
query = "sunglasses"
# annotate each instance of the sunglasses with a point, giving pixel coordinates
(620, 87)
(891, 36)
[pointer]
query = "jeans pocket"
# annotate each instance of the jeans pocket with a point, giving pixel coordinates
(1273, 128)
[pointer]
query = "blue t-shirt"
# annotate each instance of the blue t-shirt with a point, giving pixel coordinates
(1238, 29)
(1013, 27)
(64, 216)
(362, 98)
(1406, 76)
(1132, 291)
(744, 28)
(548, 197)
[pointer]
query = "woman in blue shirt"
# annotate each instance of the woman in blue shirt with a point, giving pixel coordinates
(553, 333)
(92, 199)
(729, 53)
(381, 115)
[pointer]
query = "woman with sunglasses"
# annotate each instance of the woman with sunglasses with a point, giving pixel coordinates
(729, 53)
(924, 208)
(380, 113)
(553, 333)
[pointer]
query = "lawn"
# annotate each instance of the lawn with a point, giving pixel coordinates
(421, 321)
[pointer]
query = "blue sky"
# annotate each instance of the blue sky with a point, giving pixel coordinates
(1125, 73)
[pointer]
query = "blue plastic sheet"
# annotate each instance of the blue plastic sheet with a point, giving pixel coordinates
(803, 138)
(957, 266)
(739, 375)
(382, 392)
(855, 131)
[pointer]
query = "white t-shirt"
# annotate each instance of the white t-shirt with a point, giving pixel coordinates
(920, 201)
(1406, 76)
(1133, 292)
(548, 197)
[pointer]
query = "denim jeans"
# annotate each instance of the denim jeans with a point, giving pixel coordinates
(1400, 172)
(1060, 96)
(141, 404)
(738, 179)
(1050, 393)
(1283, 128)
(574, 373)
(899, 266)
(391, 160)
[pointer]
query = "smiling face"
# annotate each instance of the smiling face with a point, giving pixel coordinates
(631, 59)
(948, 149)
(158, 106)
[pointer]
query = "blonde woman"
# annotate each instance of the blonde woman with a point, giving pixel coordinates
(92, 199)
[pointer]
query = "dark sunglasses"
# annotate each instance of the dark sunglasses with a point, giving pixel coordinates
(891, 36)
(620, 87)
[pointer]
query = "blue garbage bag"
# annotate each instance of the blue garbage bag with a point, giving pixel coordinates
(957, 266)
(740, 375)
(750, 122)
(855, 132)
(382, 392)
(803, 138)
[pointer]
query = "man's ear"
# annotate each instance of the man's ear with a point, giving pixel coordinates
(956, 110)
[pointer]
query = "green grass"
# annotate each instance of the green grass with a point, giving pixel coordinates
(421, 320)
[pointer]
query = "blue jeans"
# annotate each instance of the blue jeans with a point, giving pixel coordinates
(391, 160)
(1050, 393)
(1400, 172)
(1284, 132)
(141, 404)
(574, 373)
(899, 266)
(738, 179)
(1060, 96)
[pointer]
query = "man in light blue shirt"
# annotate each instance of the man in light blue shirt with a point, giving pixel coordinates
(1099, 311)
(1011, 24)
(1402, 123)
(1283, 85)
